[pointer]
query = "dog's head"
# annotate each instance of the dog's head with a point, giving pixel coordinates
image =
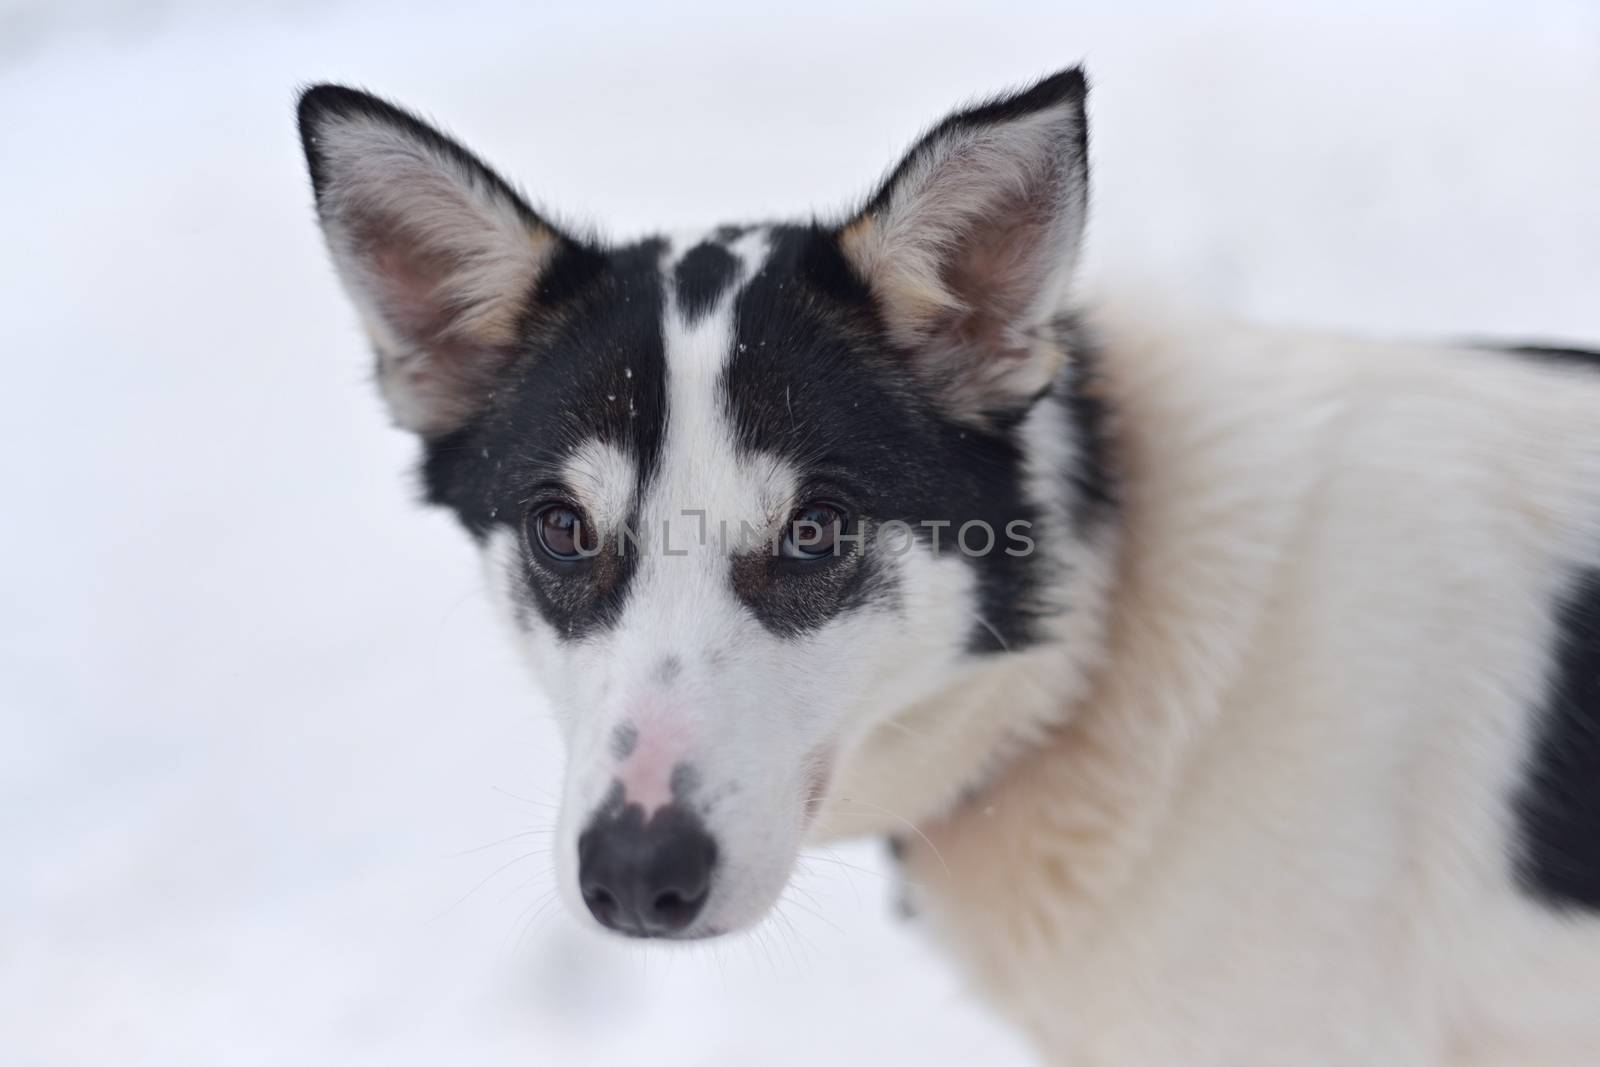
(747, 496)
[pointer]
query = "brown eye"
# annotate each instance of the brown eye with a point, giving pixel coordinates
(814, 531)
(560, 533)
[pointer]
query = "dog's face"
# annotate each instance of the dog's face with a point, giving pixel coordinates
(744, 496)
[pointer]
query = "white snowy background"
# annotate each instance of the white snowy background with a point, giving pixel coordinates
(264, 755)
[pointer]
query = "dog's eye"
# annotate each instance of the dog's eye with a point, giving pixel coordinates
(560, 533)
(814, 531)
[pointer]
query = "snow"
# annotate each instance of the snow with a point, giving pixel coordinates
(275, 788)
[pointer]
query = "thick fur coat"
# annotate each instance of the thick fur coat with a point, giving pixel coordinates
(1232, 694)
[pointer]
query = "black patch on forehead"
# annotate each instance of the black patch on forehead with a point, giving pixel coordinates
(1558, 804)
(701, 276)
(815, 379)
(591, 368)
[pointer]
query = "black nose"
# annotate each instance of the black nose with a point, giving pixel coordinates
(646, 879)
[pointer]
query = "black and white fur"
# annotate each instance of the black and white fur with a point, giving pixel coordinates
(1242, 688)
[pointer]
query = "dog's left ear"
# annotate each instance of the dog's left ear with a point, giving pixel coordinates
(969, 246)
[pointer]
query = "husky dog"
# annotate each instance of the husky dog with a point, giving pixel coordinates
(1240, 689)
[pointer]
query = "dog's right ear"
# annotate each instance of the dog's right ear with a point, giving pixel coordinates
(440, 255)
(970, 244)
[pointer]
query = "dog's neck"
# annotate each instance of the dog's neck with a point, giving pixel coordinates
(932, 756)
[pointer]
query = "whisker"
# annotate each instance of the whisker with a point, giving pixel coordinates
(814, 913)
(545, 912)
(520, 886)
(524, 800)
(792, 939)
(913, 827)
(522, 925)
(836, 861)
(994, 633)
(504, 866)
(502, 841)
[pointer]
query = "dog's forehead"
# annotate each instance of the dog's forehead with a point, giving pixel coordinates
(703, 276)
(704, 469)
(696, 467)
(739, 354)
(744, 355)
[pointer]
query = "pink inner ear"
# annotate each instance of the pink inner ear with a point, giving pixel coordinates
(999, 267)
(407, 280)
(439, 367)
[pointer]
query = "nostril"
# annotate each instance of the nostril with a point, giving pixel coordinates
(601, 903)
(674, 910)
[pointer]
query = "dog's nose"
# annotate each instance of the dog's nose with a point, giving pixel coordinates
(646, 878)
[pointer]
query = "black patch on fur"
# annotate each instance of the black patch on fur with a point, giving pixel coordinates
(591, 366)
(569, 273)
(1556, 354)
(904, 906)
(795, 596)
(624, 739)
(684, 782)
(1558, 806)
(1092, 478)
(814, 378)
(668, 670)
(701, 276)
